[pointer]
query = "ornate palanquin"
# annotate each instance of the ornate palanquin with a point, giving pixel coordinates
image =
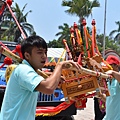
(89, 82)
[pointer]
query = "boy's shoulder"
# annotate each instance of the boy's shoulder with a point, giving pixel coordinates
(22, 68)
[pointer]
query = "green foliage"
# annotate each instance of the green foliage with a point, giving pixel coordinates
(12, 27)
(55, 44)
(109, 43)
(64, 33)
(80, 8)
(116, 33)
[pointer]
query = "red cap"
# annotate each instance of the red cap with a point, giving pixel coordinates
(112, 60)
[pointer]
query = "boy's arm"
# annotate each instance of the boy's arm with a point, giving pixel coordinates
(103, 97)
(48, 85)
(115, 74)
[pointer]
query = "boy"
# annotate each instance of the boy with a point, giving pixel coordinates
(21, 93)
(112, 101)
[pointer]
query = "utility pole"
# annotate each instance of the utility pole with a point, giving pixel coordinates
(104, 28)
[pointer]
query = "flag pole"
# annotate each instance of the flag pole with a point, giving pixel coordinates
(104, 28)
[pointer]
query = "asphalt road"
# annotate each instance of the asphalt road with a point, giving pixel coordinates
(87, 113)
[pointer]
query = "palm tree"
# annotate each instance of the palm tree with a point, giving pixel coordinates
(110, 44)
(64, 33)
(117, 36)
(80, 8)
(55, 44)
(27, 28)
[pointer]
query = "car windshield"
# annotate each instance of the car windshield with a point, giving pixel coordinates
(11, 47)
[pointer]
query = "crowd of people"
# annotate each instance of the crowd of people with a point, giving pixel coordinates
(22, 89)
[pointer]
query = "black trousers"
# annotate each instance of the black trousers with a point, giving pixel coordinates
(2, 91)
(98, 114)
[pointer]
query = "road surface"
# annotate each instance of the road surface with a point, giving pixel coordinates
(87, 113)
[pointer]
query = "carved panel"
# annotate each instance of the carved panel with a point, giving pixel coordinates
(74, 88)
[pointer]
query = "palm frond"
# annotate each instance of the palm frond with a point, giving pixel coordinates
(80, 8)
(22, 19)
(112, 32)
(117, 37)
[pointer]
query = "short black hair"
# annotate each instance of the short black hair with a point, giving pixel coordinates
(32, 41)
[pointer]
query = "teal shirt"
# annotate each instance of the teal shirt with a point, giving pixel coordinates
(113, 101)
(20, 97)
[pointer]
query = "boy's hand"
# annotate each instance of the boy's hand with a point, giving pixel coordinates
(109, 72)
(101, 96)
(71, 65)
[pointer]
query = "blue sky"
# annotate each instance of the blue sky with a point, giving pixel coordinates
(47, 15)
